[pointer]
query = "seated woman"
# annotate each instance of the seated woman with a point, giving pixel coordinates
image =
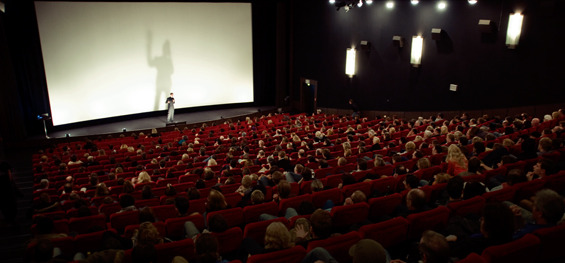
(277, 237)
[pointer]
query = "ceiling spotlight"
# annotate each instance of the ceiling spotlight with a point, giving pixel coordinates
(414, 2)
(389, 4)
(472, 2)
(441, 5)
(124, 130)
(360, 4)
(369, 2)
(332, 2)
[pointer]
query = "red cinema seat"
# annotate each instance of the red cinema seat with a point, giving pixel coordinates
(167, 251)
(384, 186)
(388, 233)
(470, 206)
(526, 190)
(347, 215)
(175, 226)
(338, 246)
(552, 243)
(435, 219)
(229, 240)
(87, 224)
(251, 213)
(428, 173)
(320, 198)
(89, 242)
(232, 199)
(294, 254)
(119, 221)
(504, 194)
(364, 187)
(525, 249)
(380, 207)
(293, 202)
(164, 212)
(233, 216)
(108, 209)
(472, 258)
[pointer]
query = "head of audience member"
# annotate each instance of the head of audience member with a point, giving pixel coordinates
(423, 163)
(284, 189)
(441, 178)
(454, 188)
(497, 222)
(515, 176)
(416, 200)
(411, 182)
(257, 197)
(368, 251)
(472, 189)
(146, 192)
(146, 215)
(126, 200)
(321, 221)
(277, 237)
(193, 193)
(217, 224)
(434, 248)
(182, 205)
(207, 248)
(216, 201)
(548, 208)
(316, 185)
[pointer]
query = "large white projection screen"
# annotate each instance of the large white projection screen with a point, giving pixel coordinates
(112, 59)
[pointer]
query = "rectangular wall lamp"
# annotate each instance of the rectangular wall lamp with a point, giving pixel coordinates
(350, 62)
(514, 30)
(416, 55)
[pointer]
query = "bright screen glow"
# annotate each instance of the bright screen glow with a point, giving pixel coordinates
(112, 59)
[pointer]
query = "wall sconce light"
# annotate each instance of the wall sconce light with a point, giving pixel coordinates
(416, 54)
(514, 30)
(350, 62)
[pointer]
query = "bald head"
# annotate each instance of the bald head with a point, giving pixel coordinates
(416, 199)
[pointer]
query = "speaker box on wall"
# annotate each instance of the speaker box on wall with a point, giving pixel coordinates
(436, 33)
(486, 26)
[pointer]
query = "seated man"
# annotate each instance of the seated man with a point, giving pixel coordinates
(547, 210)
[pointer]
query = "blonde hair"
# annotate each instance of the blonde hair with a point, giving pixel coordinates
(143, 177)
(454, 154)
(212, 162)
(277, 237)
(410, 146)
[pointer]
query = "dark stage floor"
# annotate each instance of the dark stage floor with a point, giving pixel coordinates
(157, 122)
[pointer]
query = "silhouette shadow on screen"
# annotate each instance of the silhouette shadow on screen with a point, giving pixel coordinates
(164, 66)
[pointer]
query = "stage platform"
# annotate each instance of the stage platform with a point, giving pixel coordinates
(136, 124)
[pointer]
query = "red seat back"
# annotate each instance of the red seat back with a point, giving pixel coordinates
(233, 216)
(347, 215)
(364, 187)
(175, 226)
(164, 212)
(167, 251)
(293, 202)
(87, 224)
(321, 197)
(338, 246)
(383, 206)
(435, 219)
(388, 233)
(294, 254)
(470, 206)
(251, 213)
(119, 221)
(229, 240)
(552, 243)
(525, 249)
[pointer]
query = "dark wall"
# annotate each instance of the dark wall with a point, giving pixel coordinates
(489, 74)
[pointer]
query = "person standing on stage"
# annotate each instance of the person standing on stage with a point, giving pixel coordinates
(171, 106)
(355, 108)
